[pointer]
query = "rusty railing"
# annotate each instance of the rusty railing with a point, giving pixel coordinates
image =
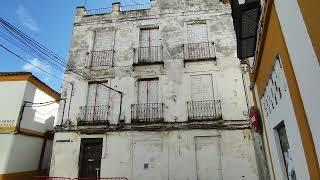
(148, 55)
(50, 178)
(100, 58)
(106, 10)
(204, 110)
(199, 51)
(134, 7)
(147, 113)
(94, 115)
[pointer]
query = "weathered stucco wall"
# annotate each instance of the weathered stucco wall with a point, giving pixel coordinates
(190, 149)
(174, 76)
(173, 153)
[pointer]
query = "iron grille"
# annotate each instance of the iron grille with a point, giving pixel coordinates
(245, 20)
(134, 7)
(94, 115)
(101, 58)
(199, 51)
(148, 55)
(97, 11)
(147, 112)
(204, 110)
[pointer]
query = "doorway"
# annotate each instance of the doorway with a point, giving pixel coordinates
(90, 157)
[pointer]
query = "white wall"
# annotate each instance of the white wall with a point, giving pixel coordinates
(173, 154)
(19, 153)
(11, 95)
(38, 118)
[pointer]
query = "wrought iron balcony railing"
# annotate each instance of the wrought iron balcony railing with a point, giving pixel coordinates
(148, 55)
(204, 110)
(101, 58)
(199, 51)
(147, 113)
(94, 115)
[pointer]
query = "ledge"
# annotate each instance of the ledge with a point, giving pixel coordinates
(164, 126)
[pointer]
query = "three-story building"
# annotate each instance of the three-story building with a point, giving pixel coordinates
(163, 99)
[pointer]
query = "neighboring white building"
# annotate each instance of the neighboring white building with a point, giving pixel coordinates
(25, 140)
(165, 97)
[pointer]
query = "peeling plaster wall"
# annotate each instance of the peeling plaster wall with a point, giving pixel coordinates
(176, 156)
(174, 76)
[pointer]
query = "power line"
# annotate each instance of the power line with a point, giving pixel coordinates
(34, 48)
(29, 62)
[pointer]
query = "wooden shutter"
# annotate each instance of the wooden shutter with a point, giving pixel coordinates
(98, 95)
(201, 87)
(149, 37)
(148, 91)
(197, 33)
(104, 40)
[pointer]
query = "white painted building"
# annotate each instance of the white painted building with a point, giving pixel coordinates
(165, 97)
(24, 125)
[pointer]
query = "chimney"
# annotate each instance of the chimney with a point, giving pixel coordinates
(116, 8)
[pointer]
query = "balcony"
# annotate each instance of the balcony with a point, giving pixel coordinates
(148, 55)
(94, 115)
(100, 58)
(147, 113)
(199, 51)
(204, 110)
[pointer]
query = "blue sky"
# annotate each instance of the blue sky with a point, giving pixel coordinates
(48, 22)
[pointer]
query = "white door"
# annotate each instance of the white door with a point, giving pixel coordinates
(98, 107)
(148, 91)
(208, 159)
(104, 40)
(148, 161)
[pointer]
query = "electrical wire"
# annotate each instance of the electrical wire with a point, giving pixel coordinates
(29, 62)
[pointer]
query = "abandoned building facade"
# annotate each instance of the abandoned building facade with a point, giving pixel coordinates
(164, 97)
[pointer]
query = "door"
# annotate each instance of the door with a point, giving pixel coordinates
(98, 103)
(149, 160)
(208, 160)
(90, 157)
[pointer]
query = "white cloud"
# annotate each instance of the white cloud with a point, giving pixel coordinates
(36, 62)
(26, 19)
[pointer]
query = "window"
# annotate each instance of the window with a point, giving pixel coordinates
(102, 51)
(197, 32)
(103, 40)
(149, 50)
(98, 94)
(201, 87)
(285, 149)
(148, 91)
(149, 37)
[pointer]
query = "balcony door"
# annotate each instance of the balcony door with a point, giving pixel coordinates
(201, 87)
(102, 48)
(149, 45)
(148, 107)
(97, 108)
(197, 33)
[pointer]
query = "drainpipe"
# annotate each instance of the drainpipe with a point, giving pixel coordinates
(120, 98)
(70, 100)
(64, 105)
(20, 116)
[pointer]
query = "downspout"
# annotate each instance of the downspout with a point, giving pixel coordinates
(20, 116)
(64, 105)
(120, 98)
(70, 100)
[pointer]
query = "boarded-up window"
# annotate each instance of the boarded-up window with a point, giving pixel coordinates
(149, 37)
(148, 91)
(104, 40)
(197, 33)
(201, 87)
(98, 94)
